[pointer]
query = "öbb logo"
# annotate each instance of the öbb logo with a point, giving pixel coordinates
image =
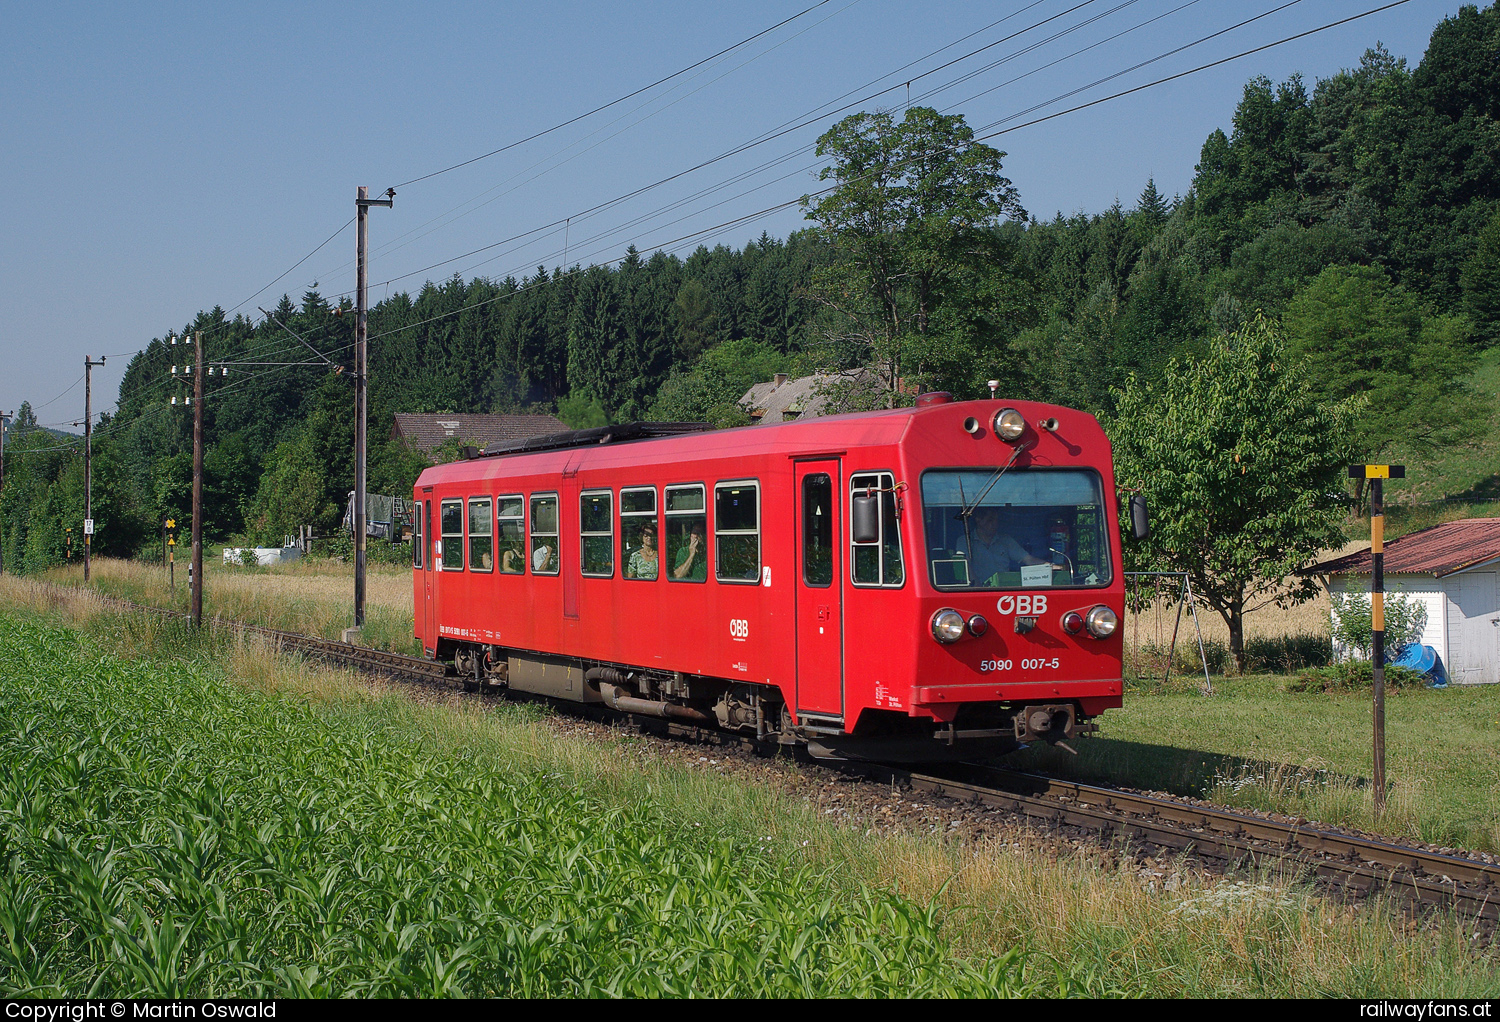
(1025, 604)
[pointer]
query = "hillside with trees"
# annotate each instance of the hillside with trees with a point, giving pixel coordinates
(1359, 217)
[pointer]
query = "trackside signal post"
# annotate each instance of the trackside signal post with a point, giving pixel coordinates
(1377, 474)
(362, 204)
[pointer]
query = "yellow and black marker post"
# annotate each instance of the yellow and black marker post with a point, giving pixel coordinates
(70, 545)
(1377, 474)
(171, 554)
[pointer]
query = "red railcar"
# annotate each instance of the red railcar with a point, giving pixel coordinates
(907, 584)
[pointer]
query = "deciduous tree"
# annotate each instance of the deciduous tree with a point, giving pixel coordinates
(910, 212)
(1237, 459)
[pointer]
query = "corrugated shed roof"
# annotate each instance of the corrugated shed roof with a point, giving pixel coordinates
(1440, 550)
(425, 432)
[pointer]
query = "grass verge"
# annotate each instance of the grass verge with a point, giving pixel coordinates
(1254, 744)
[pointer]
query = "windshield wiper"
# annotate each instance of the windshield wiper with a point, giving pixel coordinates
(969, 509)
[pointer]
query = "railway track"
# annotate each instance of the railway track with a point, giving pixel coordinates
(1356, 864)
(1350, 863)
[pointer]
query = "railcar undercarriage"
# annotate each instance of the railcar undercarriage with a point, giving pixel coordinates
(978, 731)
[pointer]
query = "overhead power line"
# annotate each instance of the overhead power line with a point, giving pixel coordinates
(1181, 74)
(767, 211)
(555, 127)
(289, 269)
(1043, 67)
(789, 127)
(740, 221)
(518, 180)
(615, 102)
(814, 116)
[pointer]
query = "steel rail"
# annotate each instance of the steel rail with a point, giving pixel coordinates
(1361, 864)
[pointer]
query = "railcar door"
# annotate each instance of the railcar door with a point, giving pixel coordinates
(429, 565)
(819, 588)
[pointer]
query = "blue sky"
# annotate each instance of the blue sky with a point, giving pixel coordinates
(159, 158)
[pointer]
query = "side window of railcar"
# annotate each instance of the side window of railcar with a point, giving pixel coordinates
(877, 563)
(817, 530)
(687, 539)
(596, 529)
(481, 535)
(510, 539)
(416, 535)
(453, 535)
(737, 531)
(544, 534)
(638, 549)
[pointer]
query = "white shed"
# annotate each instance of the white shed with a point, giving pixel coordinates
(265, 556)
(1454, 570)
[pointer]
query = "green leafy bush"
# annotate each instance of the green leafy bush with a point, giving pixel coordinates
(1287, 653)
(1353, 624)
(379, 551)
(1353, 676)
(338, 547)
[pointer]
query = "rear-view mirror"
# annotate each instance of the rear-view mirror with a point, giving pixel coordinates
(864, 521)
(1140, 522)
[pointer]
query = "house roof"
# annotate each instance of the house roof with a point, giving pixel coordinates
(426, 432)
(783, 399)
(1440, 550)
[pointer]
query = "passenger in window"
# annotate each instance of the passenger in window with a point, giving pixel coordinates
(643, 561)
(544, 558)
(692, 563)
(994, 551)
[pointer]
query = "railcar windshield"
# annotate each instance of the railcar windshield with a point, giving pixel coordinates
(1021, 529)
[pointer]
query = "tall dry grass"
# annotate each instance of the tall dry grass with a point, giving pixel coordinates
(311, 596)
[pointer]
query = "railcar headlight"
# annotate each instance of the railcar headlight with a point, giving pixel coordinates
(1101, 622)
(1009, 424)
(947, 625)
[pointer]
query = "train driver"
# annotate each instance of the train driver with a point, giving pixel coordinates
(994, 551)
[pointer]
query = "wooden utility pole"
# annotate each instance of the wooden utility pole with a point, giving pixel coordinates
(5, 418)
(362, 204)
(88, 461)
(1376, 474)
(197, 566)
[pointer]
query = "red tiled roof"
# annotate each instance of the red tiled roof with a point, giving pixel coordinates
(425, 432)
(1440, 550)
